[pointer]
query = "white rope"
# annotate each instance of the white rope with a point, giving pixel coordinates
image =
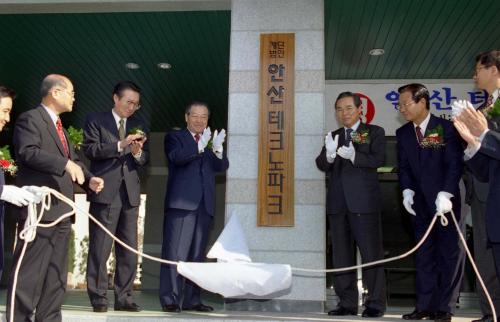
(444, 223)
(33, 221)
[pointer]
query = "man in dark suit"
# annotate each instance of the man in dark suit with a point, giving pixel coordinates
(483, 159)
(189, 204)
(46, 158)
(14, 195)
(430, 168)
(116, 157)
(353, 205)
(486, 79)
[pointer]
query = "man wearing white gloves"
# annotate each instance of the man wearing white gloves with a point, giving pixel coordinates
(15, 195)
(350, 158)
(430, 167)
(193, 162)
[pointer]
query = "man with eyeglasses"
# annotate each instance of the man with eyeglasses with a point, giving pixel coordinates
(115, 144)
(482, 198)
(45, 157)
(350, 158)
(430, 168)
(189, 204)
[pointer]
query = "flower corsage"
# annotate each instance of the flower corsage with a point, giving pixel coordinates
(361, 137)
(6, 162)
(434, 138)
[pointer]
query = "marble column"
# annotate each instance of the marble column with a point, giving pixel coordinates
(304, 244)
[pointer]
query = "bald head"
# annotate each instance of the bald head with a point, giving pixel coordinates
(57, 93)
(51, 81)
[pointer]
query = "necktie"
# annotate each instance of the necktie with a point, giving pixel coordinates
(489, 101)
(420, 137)
(197, 137)
(347, 137)
(121, 129)
(60, 133)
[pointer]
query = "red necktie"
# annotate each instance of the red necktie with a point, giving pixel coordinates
(197, 137)
(420, 137)
(60, 133)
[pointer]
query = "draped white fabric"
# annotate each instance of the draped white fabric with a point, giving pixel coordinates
(234, 275)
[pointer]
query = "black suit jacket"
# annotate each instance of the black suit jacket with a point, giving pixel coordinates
(101, 147)
(41, 159)
(355, 187)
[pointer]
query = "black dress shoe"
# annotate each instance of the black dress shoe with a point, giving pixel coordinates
(130, 307)
(372, 313)
(100, 308)
(340, 310)
(174, 308)
(419, 315)
(485, 318)
(199, 307)
(443, 316)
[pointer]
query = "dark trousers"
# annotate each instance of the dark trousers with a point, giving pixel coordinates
(185, 235)
(483, 256)
(41, 281)
(121, 219)
(439, 261)
(364, 230)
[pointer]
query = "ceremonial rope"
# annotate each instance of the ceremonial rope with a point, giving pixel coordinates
(28, 234)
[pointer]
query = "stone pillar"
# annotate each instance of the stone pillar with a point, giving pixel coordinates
(304, 244)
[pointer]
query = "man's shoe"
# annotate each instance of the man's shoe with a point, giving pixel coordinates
(100, 308)
(199, 307)
(485, 318)
(340, 310)
(443, 316)
(130, 307)
(372, 313)
(174, 308)
(419, 315)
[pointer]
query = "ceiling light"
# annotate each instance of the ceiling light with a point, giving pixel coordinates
(376, 52)
(164, 65)
(132, 66)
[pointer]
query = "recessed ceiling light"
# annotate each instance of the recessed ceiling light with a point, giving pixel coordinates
(132, 66)
(376, 52)
(164, 65)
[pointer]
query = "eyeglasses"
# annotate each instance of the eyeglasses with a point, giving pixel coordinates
(199, 116)
(405, 105)
(476, 71)
(134, 105)
(72, 93)
(347, 109)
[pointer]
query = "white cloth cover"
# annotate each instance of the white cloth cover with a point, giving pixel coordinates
(238, 278)
(231, 244)
(234, 274)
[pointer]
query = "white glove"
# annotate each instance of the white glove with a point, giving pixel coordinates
(347, 152)
(17, 196)
(218, 140)
(38, 192)
(443, 202)
(204, 139)
(458, 106)
(331, 145)
(408, 200)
